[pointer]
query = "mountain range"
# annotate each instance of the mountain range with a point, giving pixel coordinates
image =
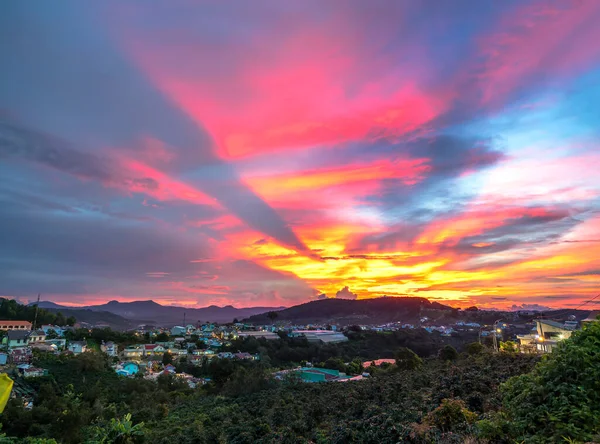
(346, 311)
(150, 312)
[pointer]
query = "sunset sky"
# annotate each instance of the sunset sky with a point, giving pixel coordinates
(276, 152)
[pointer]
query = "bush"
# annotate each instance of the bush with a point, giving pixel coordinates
(448, 353)
(406, 359)
(451, 415)
(560, 398)
(474, 348)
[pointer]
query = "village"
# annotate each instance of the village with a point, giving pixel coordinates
(160, 348)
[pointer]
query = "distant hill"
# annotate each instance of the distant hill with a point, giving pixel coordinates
(93, 318)
(150, 312)
(362, 311)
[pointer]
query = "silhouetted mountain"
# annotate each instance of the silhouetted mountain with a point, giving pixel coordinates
(362, 311)
(154, 313)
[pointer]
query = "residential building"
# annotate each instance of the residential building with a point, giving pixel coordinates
(16, 339)
(592, 317)
(258, 334)
(325, 336)
(3, 358)
(110, 348)
(60, 343)
(153, 349)
(21, 355)
(47, 328)
(15, 325)
(37, 336)
(33, 372)
(547, 334)
(178, 330)
(77, 347)
(133, 352)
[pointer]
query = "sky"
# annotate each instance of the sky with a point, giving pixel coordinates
(270, 153)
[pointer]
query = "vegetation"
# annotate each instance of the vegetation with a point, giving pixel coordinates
(560, 398)
(432, 394)
(12, 310)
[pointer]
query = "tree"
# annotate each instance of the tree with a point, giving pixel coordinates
(560, 398)
(451, 415)
(162, 337)
(71, 321)
(235, 321)
(272, 315)
(508, 347)
(474, 348)
(119, 431)
(167, 358)
(448, 353)
(406, 359)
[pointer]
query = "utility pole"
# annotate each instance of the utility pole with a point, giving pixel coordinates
(37, 306)
(496, 348)
(184, 319)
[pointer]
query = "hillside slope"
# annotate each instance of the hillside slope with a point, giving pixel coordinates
(343, 311)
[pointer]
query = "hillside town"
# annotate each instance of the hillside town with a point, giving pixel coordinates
(201, 343)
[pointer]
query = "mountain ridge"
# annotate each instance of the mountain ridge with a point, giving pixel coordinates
(151, 311)
(348, 311)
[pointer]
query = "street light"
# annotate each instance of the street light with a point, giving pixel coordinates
(496, 330)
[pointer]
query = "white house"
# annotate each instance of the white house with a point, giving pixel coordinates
(37, 336)
(110, 348)
(178, 331)
(77, 347)
(153, 349)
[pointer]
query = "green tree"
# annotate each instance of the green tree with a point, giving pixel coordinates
(167, 358)
(508, 347)
(474, 348)
(162, 337)
(451, 415)
(272, 315)
(448, 353)
(406, 359)
(119, 431)
(560, 398)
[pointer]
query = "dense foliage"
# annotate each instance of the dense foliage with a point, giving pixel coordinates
(560, 398)
(83, 396)
(365, 345)
(11, 309)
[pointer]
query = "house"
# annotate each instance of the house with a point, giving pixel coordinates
(33, 372)
(243, 356)
(3, 358)
(153, 349)
(178, 352)
(60, 343)
(169, 369)
(258, 334)
(178, 331)
(16, 339)
(77, 347)
(325, 336)
(547, 335)
(110, 348)
(47, 328)
(225, 355)
(592, 317)
(37, 336)
(133, 352)
(15, 325)
(42, 346)
(21, 355)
